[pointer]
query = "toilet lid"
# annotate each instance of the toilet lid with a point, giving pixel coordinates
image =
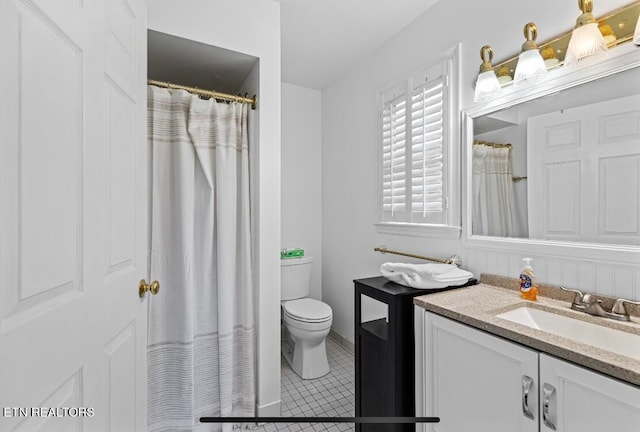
(308, 310)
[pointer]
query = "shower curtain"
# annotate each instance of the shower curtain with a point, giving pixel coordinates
(493, 203)
(201, 324)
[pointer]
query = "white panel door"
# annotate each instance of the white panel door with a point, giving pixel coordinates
(578, 400)
(584, 173)
(73, 214)
(477, 382)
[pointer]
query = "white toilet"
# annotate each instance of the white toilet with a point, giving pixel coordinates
(307, 320)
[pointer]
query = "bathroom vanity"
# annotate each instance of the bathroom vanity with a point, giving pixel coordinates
(479, 370)
(487, 360)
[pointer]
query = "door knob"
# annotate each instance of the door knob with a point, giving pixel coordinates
(143, 287)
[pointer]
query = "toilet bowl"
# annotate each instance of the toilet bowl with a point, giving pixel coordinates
(307, 321)
(308, 333)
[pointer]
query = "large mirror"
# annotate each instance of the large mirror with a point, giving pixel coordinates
(565, 166)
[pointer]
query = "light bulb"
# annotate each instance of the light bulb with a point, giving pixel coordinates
(486, 86)
(587, 45)
(504, 75)
(487, 83)
(636, 36)
(530, 68)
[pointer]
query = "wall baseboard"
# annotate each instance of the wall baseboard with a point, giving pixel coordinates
(269, 410)
(342, 341)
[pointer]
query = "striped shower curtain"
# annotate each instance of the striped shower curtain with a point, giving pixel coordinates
(493, 203)
(201, 325)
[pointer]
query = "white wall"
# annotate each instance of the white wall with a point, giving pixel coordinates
(251, 27)
(302, 176)
(349, 149)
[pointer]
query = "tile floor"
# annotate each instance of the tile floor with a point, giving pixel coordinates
(329, 396)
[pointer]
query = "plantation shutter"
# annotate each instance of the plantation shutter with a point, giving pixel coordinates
(427, 152)
(394, 142)
(413, 134)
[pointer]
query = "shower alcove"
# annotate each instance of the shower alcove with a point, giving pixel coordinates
(191, 63)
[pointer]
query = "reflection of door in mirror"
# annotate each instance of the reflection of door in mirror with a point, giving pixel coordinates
(583, 170)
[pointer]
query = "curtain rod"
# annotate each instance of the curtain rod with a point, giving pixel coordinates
(491, 144)
(497, 145)
(210, 93)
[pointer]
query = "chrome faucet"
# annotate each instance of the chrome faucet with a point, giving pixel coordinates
(619, 310)
(588, 303)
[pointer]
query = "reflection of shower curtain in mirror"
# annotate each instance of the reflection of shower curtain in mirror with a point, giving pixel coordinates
(493, 203)
(201, 324)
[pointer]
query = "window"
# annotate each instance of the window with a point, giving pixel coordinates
(394, 167)
(415, 130)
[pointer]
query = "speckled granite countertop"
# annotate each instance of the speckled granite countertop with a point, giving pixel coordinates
(477, 306)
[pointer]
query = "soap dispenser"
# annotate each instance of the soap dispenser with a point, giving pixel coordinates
(528, 284)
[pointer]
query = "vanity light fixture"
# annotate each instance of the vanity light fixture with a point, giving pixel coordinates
(587, 44)
(615, 28)
(531, 68)
(487, 84)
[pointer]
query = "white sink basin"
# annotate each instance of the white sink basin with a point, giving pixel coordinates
(617, 341)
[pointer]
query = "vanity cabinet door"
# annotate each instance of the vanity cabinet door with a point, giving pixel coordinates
(579, 400)
(475, 381)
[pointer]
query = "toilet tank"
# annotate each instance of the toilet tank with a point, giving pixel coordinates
(295, 275)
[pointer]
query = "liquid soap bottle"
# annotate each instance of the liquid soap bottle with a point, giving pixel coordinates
(528, 284)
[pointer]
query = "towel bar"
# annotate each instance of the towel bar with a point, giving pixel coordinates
(455, 259)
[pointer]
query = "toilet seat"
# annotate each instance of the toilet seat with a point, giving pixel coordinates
(307, 310)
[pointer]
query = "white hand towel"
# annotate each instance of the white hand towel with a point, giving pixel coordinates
(425, 276)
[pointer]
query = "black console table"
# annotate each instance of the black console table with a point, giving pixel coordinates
(385, 362)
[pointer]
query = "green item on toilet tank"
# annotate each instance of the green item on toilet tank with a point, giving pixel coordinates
(291, 253)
